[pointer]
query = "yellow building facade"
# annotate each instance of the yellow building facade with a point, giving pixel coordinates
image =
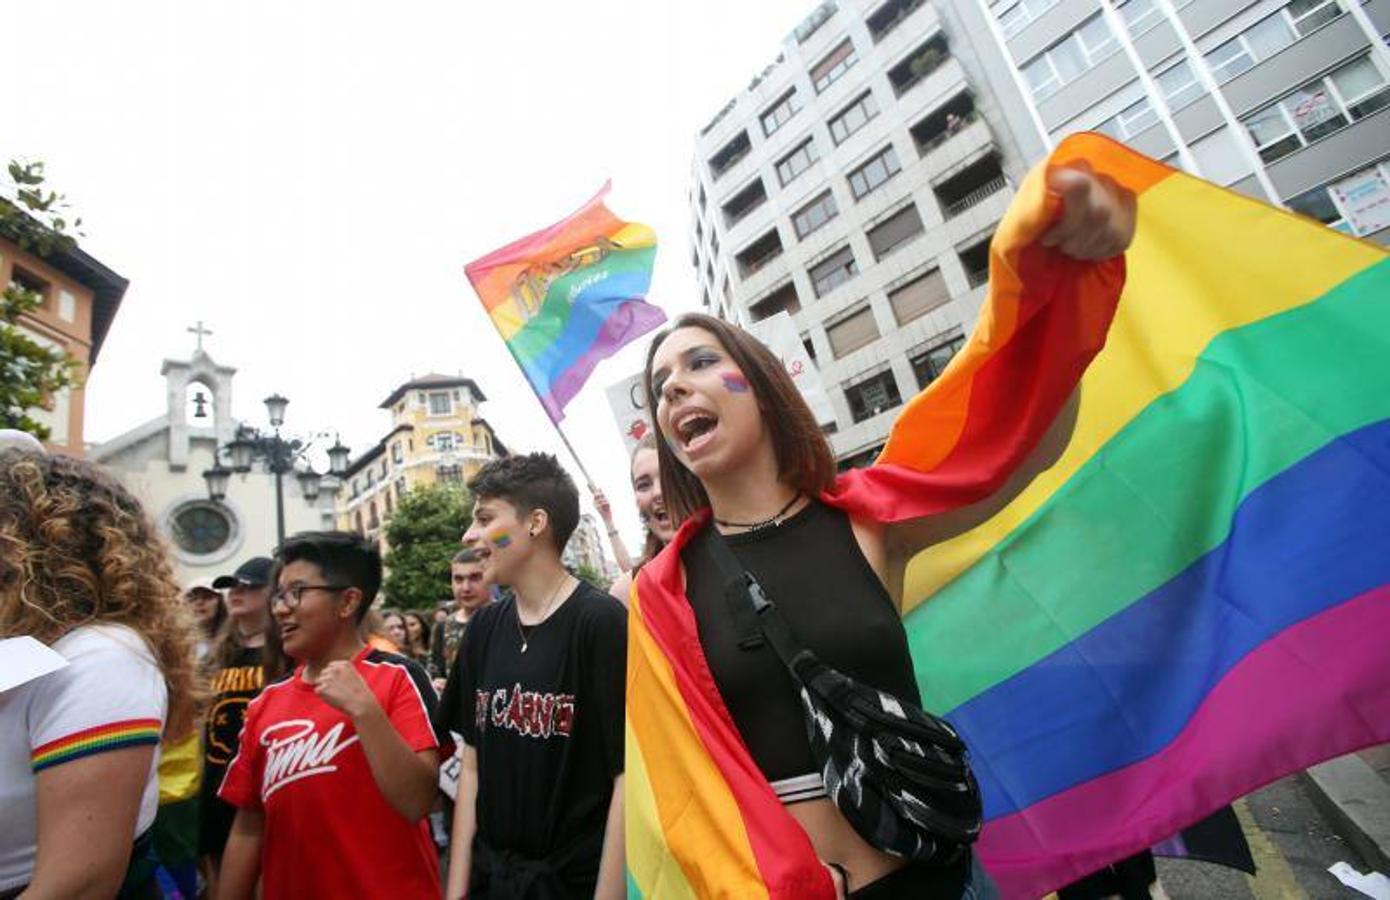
(436, 435)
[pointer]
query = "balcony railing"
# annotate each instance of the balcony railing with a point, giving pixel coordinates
(977, 277)
(880, 30)
(922, 65)
(752, 266)
(977, 196)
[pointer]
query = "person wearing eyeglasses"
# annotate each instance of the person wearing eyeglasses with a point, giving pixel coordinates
(338, 764)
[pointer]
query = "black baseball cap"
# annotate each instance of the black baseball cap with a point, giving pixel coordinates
(255, 572)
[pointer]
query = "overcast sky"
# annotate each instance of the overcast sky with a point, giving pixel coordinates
(309, 179)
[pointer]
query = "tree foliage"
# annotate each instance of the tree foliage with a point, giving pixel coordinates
(591, 575)
(30, 373)
(422, 537)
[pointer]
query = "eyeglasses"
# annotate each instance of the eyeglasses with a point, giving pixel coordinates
(292, 595)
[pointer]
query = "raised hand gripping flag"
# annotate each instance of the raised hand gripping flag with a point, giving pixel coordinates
(1189, 602)
(569, 296)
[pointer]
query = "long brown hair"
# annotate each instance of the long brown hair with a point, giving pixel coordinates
(804, 460)
(76, 548)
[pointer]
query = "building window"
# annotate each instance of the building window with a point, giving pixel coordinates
(443, 442)
(373, 523)
(834, 64)
(450, 474)
(25, 280)
(1357, 205)
(400, 489)
(815, 214)
(852, 332)
(440, 404)
(390, 506)
(744, 202)
(356, 489)
(784, 299)
(895, 231)
(923, 61)
(752, 258)
(810, 348)
(1130, 121)
(1179, 86)
(833, 271)
(786, 106)
(1014, 18)
(1318, 109)
(729, 156)
(396, 454)
(1078, 52)
(1140, 15)
(200, 528)
(853, 117)
(371, 479)
(889, 16)
(798, 161)
(357, 521)
(1268, 36)
(873, 395)
(875, 172)
(930, 363)
(918, 297)
(971, 186)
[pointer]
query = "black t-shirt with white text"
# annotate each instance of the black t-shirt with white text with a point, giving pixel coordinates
(547, 726)
(233, 687)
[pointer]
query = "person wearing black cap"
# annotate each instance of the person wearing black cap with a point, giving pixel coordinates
(236, 674)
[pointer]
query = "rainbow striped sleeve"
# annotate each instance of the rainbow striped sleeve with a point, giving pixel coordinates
(98, 739)
(569, 296)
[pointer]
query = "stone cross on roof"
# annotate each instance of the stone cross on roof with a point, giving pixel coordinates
(199, 330)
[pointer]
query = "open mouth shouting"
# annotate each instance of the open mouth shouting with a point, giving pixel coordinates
(694, 429)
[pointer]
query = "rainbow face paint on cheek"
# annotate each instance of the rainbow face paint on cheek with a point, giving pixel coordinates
(735, 383)
(499, 538)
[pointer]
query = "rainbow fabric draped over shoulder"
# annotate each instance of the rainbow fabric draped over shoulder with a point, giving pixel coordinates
(1187, 601)
(569, 296)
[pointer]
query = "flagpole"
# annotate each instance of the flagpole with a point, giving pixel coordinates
(575, 456)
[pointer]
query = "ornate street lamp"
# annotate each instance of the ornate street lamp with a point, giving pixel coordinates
(217, 478)
(309, 484)
(279, 456)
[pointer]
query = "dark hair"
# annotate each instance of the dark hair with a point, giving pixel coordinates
(532, 481)
(344, 557)
(466, 556)
(424, 622)
(213, 628)
(804, 460)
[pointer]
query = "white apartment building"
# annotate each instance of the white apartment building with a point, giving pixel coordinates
(855, 183)
(1285, 100)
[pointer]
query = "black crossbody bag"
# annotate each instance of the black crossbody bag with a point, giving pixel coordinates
(900, 775)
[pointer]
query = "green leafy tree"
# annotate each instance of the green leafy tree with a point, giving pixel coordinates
(30, 373)
(423, 536)
(591, 575)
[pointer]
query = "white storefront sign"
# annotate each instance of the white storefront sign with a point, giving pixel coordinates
(1365, 200)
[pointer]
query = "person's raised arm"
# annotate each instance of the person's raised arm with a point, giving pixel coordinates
(605, 511)
(406, 777)
(87, 809)
(241, 859)
(465, 826)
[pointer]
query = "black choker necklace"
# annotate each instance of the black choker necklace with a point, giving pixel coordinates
(775, 519)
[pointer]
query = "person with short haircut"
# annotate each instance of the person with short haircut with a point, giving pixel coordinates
(472, 591)
(338, 763)
(537, 694)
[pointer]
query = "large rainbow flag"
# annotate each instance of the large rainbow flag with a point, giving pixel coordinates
(1181, 593)
(569, 296)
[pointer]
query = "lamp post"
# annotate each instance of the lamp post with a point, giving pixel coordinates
(278, 455)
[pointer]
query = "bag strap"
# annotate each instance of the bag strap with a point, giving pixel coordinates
(755, 615)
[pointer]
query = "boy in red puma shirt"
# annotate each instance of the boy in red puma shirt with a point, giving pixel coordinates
(338, 764)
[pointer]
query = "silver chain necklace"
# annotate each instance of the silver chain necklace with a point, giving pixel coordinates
(525, 639)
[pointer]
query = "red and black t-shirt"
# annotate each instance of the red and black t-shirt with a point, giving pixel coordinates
(547, 725)
(329, 831)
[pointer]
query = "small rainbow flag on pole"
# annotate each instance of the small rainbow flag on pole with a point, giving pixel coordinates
(569, 296)
(1189, 602)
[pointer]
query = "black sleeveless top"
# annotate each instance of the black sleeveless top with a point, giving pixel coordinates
(814, 571)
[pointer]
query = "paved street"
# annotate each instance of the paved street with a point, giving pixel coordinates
(1293, 845)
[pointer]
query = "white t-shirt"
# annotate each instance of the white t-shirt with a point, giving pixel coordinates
(110, 695)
